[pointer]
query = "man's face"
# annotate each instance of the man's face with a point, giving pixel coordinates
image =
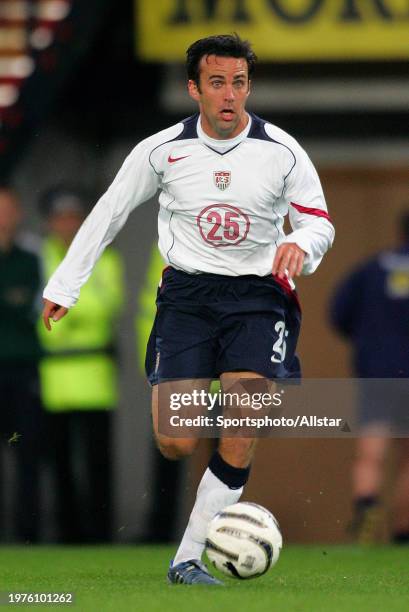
(10, 213)
(222, 93)
(65, 225)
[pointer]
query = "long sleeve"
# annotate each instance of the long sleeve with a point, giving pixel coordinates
(312, 228)
(345, 307)
(135, 183)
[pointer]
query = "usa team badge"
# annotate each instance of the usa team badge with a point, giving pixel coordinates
(222, 179)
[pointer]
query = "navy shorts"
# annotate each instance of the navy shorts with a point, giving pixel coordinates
(384, 401)
(208, 324)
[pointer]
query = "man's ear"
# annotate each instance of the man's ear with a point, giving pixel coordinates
(249, 89)
(193, 90)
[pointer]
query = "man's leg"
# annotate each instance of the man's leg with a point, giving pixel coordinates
(221, 485)
(401, 497)
(96, 506)
(60, 442)
(189, 570)
(367, 474)
(173, 448)
(27, 450)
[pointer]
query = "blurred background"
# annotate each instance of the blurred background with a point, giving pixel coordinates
(82, 82)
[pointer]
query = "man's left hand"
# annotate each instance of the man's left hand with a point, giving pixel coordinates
(288, 257)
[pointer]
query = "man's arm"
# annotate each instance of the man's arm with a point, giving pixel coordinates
(345, 308)
(313, 232)
(135, 182)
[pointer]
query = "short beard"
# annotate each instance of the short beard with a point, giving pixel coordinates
(224, 133)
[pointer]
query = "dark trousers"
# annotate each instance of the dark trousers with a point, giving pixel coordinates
(79, 449)
(21, 431)
(166, 488)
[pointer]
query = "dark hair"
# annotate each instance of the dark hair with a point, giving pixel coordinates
(223, 45)
(63, 197)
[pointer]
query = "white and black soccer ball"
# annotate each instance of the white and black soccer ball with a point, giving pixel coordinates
(244, 540)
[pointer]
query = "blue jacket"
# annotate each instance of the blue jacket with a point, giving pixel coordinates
(371, 308)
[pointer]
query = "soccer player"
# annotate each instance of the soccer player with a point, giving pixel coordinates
(226, 306)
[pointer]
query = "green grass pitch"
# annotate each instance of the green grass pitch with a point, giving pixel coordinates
(132, 578)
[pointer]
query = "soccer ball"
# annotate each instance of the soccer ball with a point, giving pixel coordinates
(243, 540)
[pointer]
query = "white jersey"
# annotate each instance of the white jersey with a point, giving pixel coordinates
(222, 204)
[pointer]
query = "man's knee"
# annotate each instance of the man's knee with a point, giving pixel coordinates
(176, 448)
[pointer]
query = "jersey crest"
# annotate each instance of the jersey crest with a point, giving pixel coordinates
(222, 179)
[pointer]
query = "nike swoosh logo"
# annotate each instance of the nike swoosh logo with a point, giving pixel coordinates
(171, 160)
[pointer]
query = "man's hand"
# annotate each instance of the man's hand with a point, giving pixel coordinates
(289, 257)
(52, 311)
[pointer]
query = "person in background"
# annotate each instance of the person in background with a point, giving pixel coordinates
(20, 408)
(79, 380)
(370, 308)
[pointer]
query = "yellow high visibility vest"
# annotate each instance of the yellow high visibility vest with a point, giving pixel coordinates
(79, 370)
(146, 310)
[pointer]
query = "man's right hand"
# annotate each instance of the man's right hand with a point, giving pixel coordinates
(52, 311)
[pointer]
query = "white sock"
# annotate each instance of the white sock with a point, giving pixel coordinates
(212, 496)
